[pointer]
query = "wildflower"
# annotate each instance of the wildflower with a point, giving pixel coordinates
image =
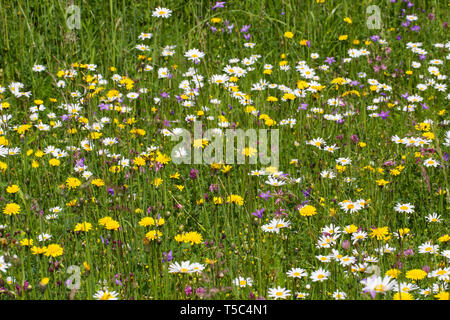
(243, 282)
(112, 225)
(162, 13)
(297, 273)
(185, 267)
(73, 183)
(377, 284)
(84, 226)
(319, 275)
(307, 211)
(427, 247)
(380, 233)
(147, 221)
(288, 35)
(404, 208)
(415, 274)
(105, 294)
(11, 209)
(189, 237)
(393, 273)
(339, 295)
(54, 250)
(153, 235)
(13, 188)
(403, 296)
(3, 265)
(279, 293)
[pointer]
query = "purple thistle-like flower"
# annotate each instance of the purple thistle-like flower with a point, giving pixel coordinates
(354, 138)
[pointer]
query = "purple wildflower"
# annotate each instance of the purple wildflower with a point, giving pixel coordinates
(265, 196)
(330, 60)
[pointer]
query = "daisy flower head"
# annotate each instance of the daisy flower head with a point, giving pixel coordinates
(38, 68)
(105, 294)
(3, 265)
(194, 55)
(144, 36)
(339, 295)
(430, 163)
(404, 208)
(427, 247)
(433, 217)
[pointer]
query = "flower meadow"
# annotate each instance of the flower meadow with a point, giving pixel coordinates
(93, 100)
